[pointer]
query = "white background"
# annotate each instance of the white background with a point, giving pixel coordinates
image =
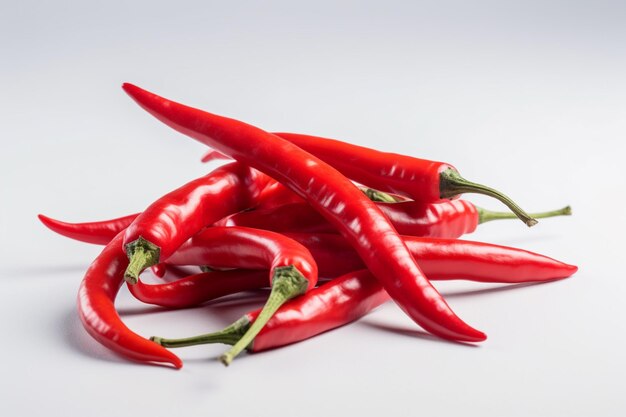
(528, 97)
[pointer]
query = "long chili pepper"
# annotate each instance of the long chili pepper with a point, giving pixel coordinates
(96, 309)
(99, 233)
(351, 296)
(446, 219)
(330, 193)
(418, 179)
(293, 270)
(440, 259)
(451, 218)
(172, 219)
(199, 288)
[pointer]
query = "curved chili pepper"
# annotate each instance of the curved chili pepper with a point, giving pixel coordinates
(330, 193)
(293, 270)
(446, 219)
(172, 219)
(451, 218)
(199, 288)
(96, 309)
(351, 296)
(99, 233)
(418, 179)
(443, 259)
(440, 259)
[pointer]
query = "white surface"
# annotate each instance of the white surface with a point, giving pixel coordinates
(527, 97)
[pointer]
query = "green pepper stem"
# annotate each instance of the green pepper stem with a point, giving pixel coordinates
(287, 283)
(142, 254)
(378, 196)
(485, 215)
(229, 336)
(452, 184)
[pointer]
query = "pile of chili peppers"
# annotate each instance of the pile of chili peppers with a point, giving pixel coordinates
(334, 230)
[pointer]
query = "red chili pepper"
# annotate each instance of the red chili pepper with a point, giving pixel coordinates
(440, 259)
(99, 233)
(451, 219)
(419, 179)
(446, 219)
(293, 270)
(199, 288)
(96, 309)
(443, 259)
(172, 219)
(333, 195)
(351, 296)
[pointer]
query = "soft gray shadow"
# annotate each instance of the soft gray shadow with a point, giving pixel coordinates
(420, 334)
(417, 334)
(77, 339)
(492, 290)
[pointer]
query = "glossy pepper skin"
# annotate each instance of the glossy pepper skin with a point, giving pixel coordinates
(440, 259)
(99, 233)
(292, 269)
(172, 219)
(418, 179)
(355, 294)
(443, 259)
(448, 219)
(243, 247)
(451, 219)
(96, 309)
(331, 194)
(352, 296)
(199, 288)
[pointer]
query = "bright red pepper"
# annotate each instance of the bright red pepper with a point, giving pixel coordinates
(419, 179)
(351, 296)
(356, 293)
(451, 218)
(440, 259)
(446, 219)
(199, 288)
(330, 193)
(99, 233)
(293, 270)
(96, 309)
(443, 259)
(172, 219)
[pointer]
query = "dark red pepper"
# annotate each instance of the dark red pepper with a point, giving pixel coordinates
(330, 193)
